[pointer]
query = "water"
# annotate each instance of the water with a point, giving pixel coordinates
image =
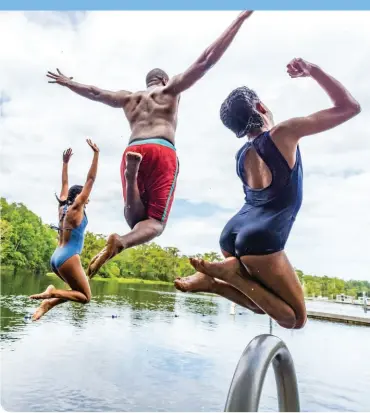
(338, 308)
(165, 351)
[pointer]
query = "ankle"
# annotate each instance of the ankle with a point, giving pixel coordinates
(131, 177)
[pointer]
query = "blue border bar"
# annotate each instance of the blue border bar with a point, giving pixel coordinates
(72, 5)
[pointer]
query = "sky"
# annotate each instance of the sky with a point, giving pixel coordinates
(115, 50)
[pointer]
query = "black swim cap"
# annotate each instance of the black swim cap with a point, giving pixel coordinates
(238, 112)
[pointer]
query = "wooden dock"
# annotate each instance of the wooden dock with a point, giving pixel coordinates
(340, 318)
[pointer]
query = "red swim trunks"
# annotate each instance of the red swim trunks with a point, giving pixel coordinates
(157, 175)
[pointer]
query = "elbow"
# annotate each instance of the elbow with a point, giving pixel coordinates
(348, 109)
(354, 108)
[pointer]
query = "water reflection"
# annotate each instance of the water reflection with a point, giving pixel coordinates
(201, 304)
(148, 348)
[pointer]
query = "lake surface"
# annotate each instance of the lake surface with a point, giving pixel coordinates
(165, 351)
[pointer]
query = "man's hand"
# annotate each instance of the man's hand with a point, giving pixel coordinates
(245, 14)
(67, 155)
(299, 68)
(92, 145)
(60, 78)
(207, 59)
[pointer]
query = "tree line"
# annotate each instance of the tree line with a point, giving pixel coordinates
(27, 244)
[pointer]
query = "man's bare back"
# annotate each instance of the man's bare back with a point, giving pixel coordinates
(152, 112)
(150, 167)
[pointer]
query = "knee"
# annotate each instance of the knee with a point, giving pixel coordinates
(288, 322)
(149, 228)
(292, 320)
(159, 229)
(155, 228)
(287, 318)
(300, 321)
(300, 314)
(86, 299)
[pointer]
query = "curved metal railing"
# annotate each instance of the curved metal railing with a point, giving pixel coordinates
(246, 386)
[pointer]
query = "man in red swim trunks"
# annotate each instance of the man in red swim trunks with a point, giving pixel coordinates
(149, 167)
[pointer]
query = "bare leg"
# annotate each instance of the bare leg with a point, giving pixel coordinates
(232, 272)
(72, 272)
(134, 208)
(142, 232)
(275, 272)
(52, 292)
(46, 306)
(200, 282)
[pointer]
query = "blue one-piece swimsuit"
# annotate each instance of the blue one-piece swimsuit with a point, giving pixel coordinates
(73, 247)
(264, 223)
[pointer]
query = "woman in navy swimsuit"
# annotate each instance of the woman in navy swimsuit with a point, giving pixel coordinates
(65, 262)
(256, 273)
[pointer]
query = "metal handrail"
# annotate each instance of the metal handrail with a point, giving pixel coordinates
(246, 386)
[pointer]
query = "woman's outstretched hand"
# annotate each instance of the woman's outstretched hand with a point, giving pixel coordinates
(67, 155)
(299, 68)
(93, 146)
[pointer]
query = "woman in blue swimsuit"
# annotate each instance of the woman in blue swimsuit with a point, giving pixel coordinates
(65, 262)
(256, 273)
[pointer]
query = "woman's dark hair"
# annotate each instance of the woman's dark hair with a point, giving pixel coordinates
(238, 111)
(72, 194)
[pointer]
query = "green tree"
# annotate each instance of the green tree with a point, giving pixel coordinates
(212, 256)
(27, 243)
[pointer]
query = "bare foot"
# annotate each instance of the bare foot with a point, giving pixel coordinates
(44, 308)
(91, 269)
(48, 293)
(114, 246)
(225, 270)
(196, 283)
(133, 160)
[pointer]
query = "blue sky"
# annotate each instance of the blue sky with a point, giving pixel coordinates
(115, 50)
(184, 5)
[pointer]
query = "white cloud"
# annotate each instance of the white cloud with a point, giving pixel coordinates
(115, 50)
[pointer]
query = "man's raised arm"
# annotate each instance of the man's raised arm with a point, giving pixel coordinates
(208, 58)
(114, 99)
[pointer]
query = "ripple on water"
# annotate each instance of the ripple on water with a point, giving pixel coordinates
(79, 358)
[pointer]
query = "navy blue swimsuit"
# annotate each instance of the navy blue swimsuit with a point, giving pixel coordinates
(263, 224)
